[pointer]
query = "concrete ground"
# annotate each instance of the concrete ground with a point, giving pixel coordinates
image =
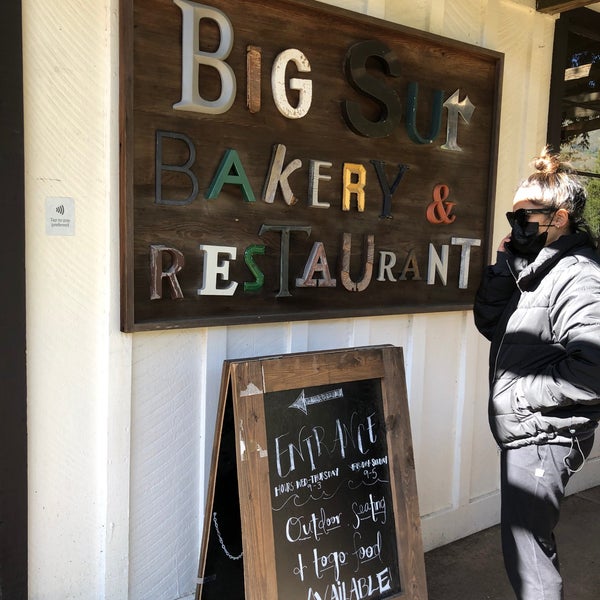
(472, 568)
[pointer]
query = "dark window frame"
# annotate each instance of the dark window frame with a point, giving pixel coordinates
(585, 23)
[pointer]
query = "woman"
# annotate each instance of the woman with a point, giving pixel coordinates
(540, 307)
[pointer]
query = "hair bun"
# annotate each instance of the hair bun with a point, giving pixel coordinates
(549, 163)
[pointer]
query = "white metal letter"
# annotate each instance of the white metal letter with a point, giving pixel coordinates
(465, 258)
(191, 58)
(314, 176)
(465, 109)
(304, 86)
(387, 261)
(437, 264)
(213, 268)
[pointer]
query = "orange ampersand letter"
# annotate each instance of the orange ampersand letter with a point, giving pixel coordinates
(439, 210)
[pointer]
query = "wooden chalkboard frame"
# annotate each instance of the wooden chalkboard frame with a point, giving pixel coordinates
(244, 384)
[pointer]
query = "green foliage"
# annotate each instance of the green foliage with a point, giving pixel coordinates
(592, 207)
(587, 160)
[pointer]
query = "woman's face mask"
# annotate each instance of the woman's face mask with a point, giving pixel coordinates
(525, 238)
(527, 241)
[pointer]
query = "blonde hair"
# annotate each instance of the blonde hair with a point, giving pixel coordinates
(555, 184)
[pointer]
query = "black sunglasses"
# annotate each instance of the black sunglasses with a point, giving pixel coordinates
(521, 216)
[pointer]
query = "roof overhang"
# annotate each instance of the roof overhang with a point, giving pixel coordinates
(553, 7)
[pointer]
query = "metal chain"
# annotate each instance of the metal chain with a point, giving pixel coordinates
(227, 553)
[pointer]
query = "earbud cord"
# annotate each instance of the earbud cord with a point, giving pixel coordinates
(574, 440)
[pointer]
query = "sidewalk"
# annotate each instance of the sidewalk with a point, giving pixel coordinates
(472, 568)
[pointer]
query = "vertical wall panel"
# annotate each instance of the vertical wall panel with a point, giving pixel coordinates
(484, 473)
(412, 14)
(463, 20)
(373, 8)
(440, 381)
(465, 394)
(542, 36)
(252, 340)
(165, 463)
(325, 335)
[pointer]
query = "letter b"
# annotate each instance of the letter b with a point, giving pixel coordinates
(191, 57)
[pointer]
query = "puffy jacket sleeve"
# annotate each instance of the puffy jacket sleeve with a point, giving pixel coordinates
(497, 286)
(575, 317)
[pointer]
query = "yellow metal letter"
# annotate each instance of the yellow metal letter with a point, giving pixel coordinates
(355, 179)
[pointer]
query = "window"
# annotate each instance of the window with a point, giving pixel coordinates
(574, 111)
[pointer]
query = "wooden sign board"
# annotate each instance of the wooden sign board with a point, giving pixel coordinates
(313, 493)
(291, 160)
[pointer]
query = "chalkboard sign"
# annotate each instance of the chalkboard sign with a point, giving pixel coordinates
(313, 493)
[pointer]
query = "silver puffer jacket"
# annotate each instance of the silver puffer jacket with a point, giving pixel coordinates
(543, 320)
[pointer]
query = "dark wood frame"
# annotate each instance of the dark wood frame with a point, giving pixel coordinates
(557, 6)
(13, 407)
(289, 372)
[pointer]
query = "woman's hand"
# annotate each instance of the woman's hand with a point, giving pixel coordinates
(502, 246)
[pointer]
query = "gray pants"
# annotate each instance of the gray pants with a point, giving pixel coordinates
(533, 480)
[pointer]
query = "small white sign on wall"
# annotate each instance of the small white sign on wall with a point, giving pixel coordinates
(60, 216)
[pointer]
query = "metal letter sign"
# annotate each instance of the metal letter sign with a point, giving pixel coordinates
(292, 160)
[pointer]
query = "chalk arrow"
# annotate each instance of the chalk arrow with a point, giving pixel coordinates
(302, 401)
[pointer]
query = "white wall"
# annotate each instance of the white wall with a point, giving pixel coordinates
(79, 364)
(120, 426)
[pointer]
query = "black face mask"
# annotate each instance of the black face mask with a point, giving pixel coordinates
(526, 240)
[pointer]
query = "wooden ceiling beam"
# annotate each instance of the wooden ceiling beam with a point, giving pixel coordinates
(553, 7)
